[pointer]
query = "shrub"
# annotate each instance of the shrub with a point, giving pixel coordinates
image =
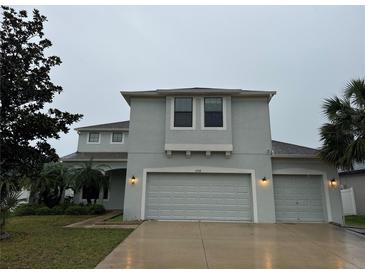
(25, 209)
(43, 211)
(96, 209)
(68, 209)
(59, 209)
(77, 210)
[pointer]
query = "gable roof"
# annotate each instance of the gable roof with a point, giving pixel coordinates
(123, 125)
(198, 90)
(282, 149)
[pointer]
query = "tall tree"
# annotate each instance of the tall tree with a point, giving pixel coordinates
(344, 135)
(26, 87)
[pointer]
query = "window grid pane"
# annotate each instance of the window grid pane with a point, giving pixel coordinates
(184, 104)
(93, 137)
(117, 137)
(213, 104)
(183, 112)
(213, 112)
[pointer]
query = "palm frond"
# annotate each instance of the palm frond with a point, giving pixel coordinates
(343, 137)
(355, 91)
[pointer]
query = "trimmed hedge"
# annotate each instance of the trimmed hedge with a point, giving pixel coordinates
(64, 209)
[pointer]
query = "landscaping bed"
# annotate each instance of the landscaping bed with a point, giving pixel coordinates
(44, 242)
(355, 221)
(117, 220)
(62, 209)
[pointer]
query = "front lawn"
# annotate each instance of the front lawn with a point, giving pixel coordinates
(355, 220)
(43, 242)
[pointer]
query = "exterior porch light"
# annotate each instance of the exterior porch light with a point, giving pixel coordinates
(333, 183)
(264, 181)
(132, 180)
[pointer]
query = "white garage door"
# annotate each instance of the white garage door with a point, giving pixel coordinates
(299, 198)
(186, 196)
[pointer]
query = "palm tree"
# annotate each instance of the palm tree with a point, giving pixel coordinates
(91, 179)
(51, 183)
(9, 199)
(343, 136)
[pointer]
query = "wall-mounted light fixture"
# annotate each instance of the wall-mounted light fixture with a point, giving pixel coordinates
(333, 183)
(264, 181)
(133, 180)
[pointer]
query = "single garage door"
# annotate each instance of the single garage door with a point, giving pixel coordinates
(299, 198)
(188, 196)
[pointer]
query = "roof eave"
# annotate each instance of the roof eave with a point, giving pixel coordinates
(298, 156)
(101, 129)
(352, 172)
(160, 93)
(95, 160)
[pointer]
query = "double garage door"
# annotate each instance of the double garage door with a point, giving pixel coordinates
(299, 198)
(198, 196)
(228, 197)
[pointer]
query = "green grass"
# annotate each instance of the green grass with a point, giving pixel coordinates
(118, 218)
(43, 242)
(355, 220)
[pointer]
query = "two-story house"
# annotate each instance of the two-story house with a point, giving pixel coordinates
(207, 154)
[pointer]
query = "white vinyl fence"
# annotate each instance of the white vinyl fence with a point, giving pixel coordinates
(348, 201)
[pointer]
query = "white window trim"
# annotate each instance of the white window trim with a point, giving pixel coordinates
(92, 143)
(172, 114)
(224, 112)
(111, 138)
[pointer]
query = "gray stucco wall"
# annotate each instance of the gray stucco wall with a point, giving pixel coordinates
(313, 167)
(105, 144)
(116, 190)
(357, 182)
(251, 146)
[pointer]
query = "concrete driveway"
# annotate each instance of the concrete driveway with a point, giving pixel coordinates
(235, 245)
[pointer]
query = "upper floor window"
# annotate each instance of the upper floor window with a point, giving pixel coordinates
(94, 137)
(183, 112)
(117, 137)
(213, 112)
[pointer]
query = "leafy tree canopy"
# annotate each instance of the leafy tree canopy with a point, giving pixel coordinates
(343, 136)
(26, 87)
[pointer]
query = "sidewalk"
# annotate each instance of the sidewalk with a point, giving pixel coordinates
(91, 223)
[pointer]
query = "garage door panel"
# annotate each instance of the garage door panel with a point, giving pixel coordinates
(199, 197)
(298, 198)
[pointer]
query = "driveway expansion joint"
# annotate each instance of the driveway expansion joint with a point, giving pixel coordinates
(202, 239)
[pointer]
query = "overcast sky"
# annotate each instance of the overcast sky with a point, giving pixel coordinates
(305, 53)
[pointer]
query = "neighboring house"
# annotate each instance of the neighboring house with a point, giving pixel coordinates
(207, 154)
(355, 179)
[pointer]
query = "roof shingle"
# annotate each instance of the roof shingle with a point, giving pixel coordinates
(109, 126)
(281, 148)
(96, 156)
